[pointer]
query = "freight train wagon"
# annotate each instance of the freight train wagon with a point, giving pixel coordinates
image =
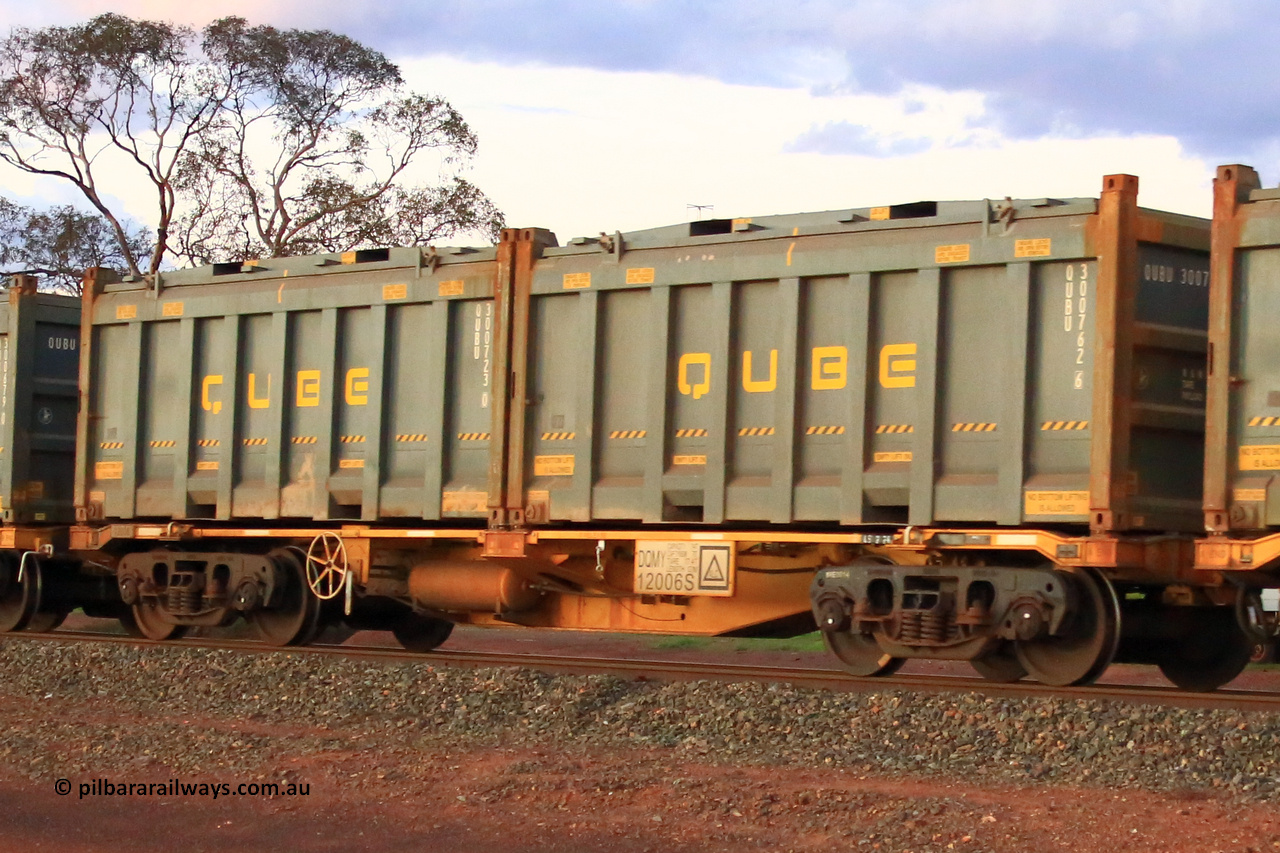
(39, 366)
(965, 430)
(1242, 459)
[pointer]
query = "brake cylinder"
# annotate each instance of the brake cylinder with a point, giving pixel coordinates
(470, 587)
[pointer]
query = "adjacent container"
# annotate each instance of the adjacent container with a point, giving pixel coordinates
(1029, 362)
(347, 386)
(1032, 362)
(39, 367)
(1242, 452)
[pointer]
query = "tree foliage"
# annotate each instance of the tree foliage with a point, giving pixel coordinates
(61, 243)
(342, 135)
(71, 97)
(254, 141)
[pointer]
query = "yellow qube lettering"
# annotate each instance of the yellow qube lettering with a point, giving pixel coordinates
(358, 386)
(830, 368)
(897, 372)
(256, 402)
(207, 404)
(758, 386)
(688, 360)
(308, 388)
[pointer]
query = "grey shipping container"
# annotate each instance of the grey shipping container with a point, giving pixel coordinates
(39, 367)
(1243, 440)
(1030, 362)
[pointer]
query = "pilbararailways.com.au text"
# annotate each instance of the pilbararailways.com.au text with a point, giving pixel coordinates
(178, 788)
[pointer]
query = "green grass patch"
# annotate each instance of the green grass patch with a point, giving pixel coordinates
(680, 642)
(805, 643)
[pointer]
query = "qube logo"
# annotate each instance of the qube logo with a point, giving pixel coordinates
(897, 372)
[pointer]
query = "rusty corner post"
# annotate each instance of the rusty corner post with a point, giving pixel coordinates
(21, 285)
(518, 250)
(499, 379)
(1115, 243)
(1231, 188)
(20, 367)
(95, 279)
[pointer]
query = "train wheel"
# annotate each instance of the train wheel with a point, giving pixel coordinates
(45, 621)
(334, 634)
(1209, 656)
(332, 629)
(295, 621)
(860, 654)
(1001, 665)
(146, 622)
(19, 600)
(1085, 650)
(1262, 653)
(419, 633)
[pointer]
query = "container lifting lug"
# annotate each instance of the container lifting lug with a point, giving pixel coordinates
(611, 245)
(1004, 212)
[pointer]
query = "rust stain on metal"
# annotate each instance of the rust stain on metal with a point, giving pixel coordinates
(1114, 234)
(1231, 187)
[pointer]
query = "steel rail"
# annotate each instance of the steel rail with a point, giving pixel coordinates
(653, 669)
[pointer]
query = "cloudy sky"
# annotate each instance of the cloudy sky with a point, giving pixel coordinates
(619, 115)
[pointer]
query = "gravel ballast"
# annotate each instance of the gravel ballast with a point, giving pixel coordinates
(415, 705)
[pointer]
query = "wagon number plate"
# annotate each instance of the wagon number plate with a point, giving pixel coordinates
(684, 568)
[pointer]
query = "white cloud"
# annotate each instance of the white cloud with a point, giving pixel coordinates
(583, 151)
(974, 98)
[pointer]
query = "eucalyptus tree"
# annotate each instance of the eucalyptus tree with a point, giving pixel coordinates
(314, 151)
(83, 103)
(59, 243)
(252, 141)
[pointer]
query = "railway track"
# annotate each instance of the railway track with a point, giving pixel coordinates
(656, 669)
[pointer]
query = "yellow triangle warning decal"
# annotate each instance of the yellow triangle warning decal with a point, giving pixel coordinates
(714, 567)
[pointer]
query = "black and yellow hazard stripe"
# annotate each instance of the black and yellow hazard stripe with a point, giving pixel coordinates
(411, 436)
(352, 439)
(164, 444)
(973, 427)
(691, 433)
(628, 433)
(756, 431)
(208, 442)
(559, 436)
(824, 430)
(305, 439)
(894, 428)
(1261, 421)
(255, 442)
(1064, 425)
(473, 436)
(112, 445)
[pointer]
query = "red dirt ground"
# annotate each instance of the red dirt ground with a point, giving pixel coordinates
(479, 801)
(389, 796)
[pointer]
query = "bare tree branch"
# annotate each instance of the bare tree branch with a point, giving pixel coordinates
(343, 137)
(60, 244)
(256, 141)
